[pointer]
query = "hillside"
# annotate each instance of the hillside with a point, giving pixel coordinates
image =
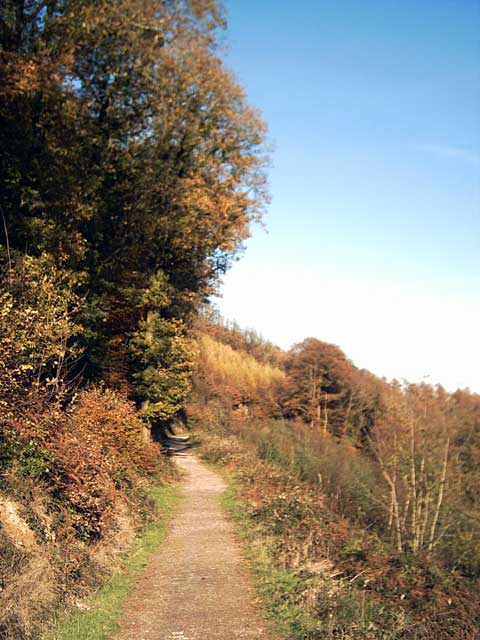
(132, 171)
(355, 494)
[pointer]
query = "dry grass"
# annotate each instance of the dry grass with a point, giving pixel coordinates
(28, 598)
(324, 576)
(236, 373)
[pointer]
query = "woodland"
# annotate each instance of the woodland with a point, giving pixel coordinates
(132, 170)
(363, 492)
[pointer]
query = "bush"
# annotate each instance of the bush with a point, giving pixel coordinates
(346, 476)
(37, 331)
(322, 575)
(101, 451)
(78, 481)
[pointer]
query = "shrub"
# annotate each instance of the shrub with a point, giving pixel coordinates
(321, 575)
(101, 450)
(79, 478)
(37, 331)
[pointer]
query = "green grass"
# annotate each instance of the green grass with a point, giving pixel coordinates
(339, 612)
(101, 620)
(276, 587)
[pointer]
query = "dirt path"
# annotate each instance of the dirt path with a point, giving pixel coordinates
(195, 587)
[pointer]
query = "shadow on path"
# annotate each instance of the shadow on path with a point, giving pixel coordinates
(177, 445)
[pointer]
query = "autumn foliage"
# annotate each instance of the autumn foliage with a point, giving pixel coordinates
(132, 162)
(131, 170)
(227, 372)
(364, 488)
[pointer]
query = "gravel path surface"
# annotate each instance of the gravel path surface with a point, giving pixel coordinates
(196, 586)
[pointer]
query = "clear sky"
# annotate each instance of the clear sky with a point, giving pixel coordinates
(373, 242)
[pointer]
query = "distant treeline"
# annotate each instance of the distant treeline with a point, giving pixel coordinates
(359, 497)
(404, 458)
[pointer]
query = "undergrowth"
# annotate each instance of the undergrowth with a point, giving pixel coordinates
(277, 587)
(321, 576)
(99, 617)
(73, 491)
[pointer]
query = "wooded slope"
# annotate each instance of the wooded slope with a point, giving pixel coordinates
(131, 168)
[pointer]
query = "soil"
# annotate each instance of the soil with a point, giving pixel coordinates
(196, 587)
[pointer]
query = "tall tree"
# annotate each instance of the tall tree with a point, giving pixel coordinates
(130, 156)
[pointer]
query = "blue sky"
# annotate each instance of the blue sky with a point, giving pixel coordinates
(373, 242)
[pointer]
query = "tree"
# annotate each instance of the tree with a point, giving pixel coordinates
(411, 442)
(129, 155)
(320, 384)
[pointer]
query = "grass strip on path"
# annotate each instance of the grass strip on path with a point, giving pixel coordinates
(101, 620)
